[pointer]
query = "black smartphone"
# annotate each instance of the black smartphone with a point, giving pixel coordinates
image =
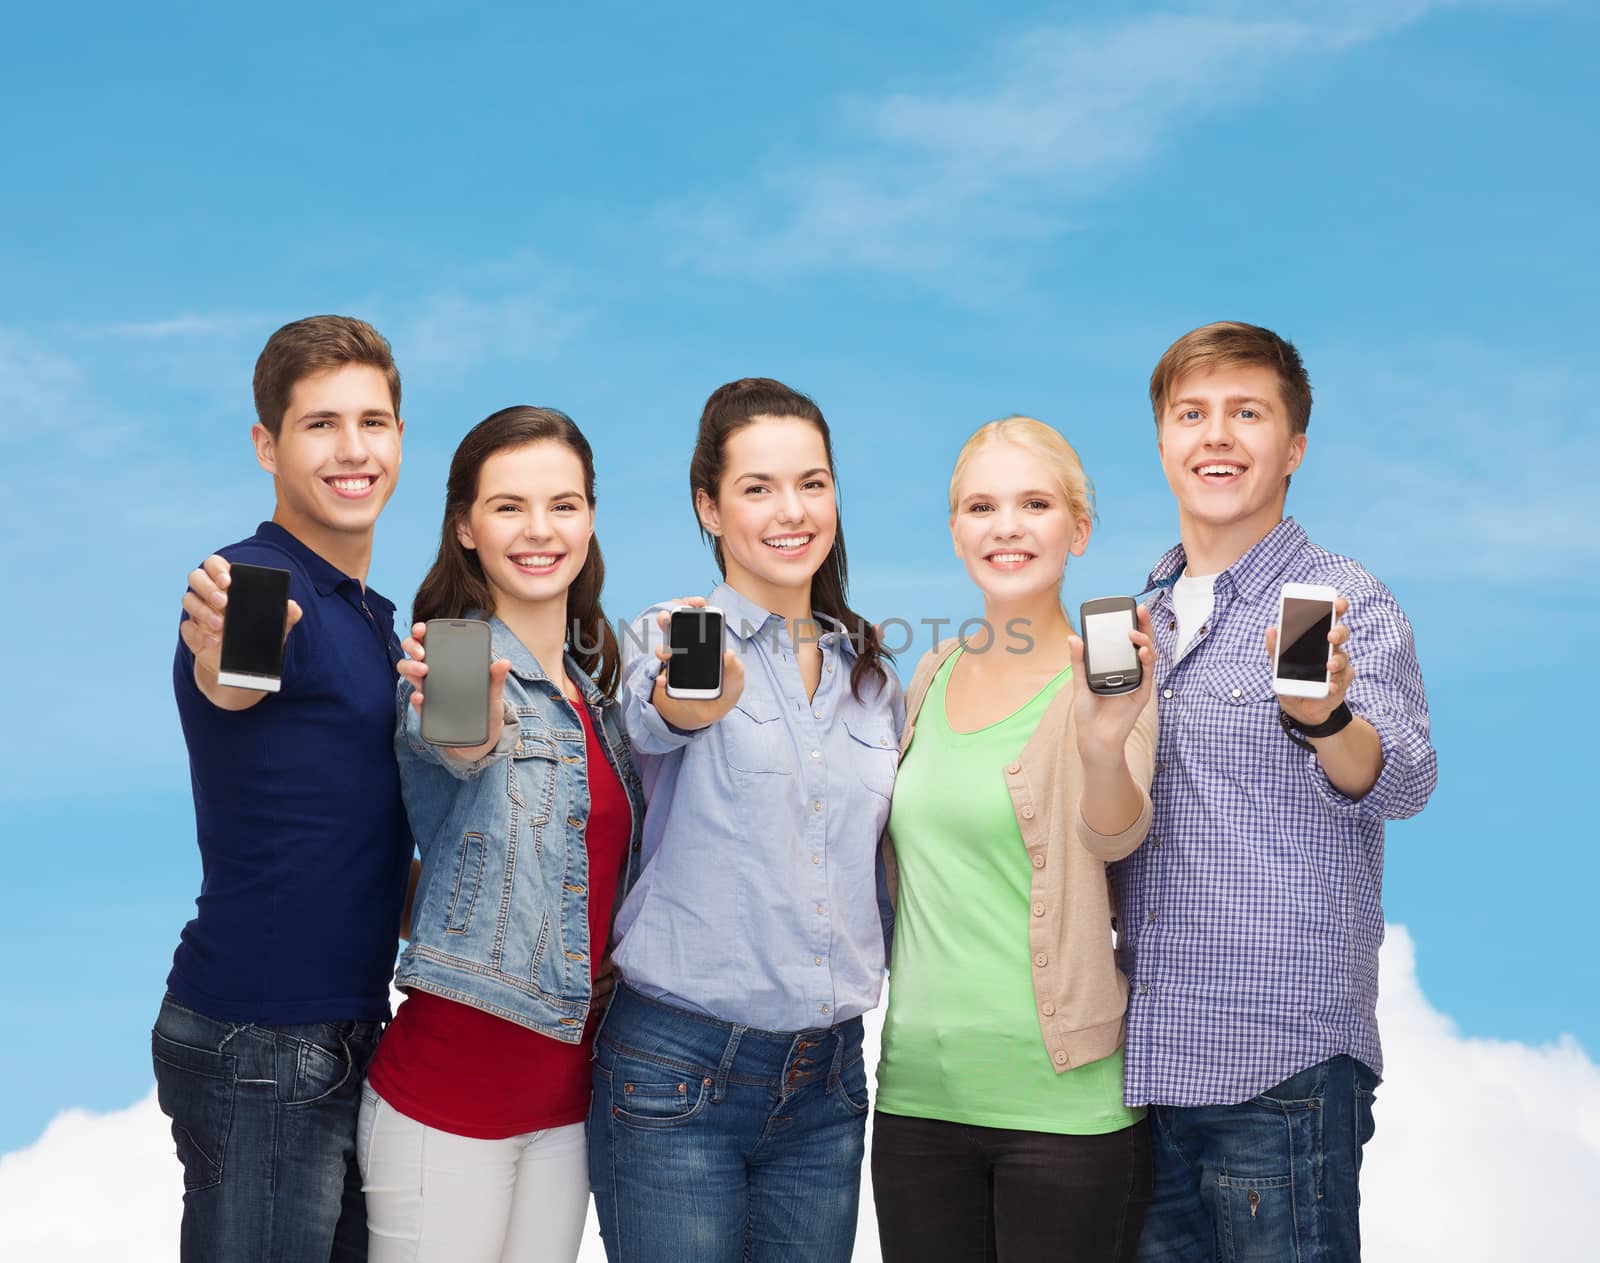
(455, 692)
(1110, 659)
(694, 634)
(252, 627)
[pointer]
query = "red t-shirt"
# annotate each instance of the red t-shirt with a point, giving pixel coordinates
(451, 1066)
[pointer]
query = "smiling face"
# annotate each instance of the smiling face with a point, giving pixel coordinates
(1013, 527)
(775, 513)
(335, 458)
(1227, 446)
(530, 524)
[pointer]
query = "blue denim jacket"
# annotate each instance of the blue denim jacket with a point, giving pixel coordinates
(501, 915)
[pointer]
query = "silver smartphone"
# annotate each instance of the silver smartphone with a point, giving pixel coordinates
(1110, 659)
(455, 692)
(252, 628)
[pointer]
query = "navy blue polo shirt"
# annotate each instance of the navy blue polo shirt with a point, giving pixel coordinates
(304, 845)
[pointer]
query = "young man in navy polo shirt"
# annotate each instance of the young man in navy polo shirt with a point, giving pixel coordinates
(280, 983)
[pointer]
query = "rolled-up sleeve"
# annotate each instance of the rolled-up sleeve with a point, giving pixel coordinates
(1386, 690)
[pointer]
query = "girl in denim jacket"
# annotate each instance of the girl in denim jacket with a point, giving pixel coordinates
(471, 1138)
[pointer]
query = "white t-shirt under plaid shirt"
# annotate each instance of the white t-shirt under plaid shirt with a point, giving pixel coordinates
(1250, 918)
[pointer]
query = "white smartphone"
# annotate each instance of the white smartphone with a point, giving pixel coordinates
(695, 635)
(1305, 617)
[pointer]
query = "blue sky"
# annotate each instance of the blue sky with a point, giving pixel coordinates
(924, 216)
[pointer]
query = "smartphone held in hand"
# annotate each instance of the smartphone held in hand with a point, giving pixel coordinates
(1110, 659)
(455, 692)
(695, 637)
(1305, 618)
(253, 623)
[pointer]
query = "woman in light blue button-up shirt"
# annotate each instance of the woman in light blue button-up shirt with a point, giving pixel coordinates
(730, 1093)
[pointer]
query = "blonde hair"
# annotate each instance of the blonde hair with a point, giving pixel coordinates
(1056, 456)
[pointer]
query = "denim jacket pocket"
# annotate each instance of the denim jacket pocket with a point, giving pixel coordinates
(875, 753)
(756, 739)
(531, 775)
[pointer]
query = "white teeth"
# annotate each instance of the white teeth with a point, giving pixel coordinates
(537, 561)
(351, 484)
(1222, 469)
(788, 542)
(1006, 559)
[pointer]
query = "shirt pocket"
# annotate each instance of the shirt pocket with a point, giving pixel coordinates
(755, 738)
(532, 775)
(1247, 736)
(874, 753)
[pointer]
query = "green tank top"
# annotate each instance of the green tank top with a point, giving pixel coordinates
(961, 1038)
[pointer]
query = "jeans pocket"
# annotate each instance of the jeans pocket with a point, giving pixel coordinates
(320, 1069)
(648, 1097)
(853, 1086)
(195, 1089)
(1269, 1187)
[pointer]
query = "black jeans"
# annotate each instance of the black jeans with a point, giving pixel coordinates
(962, 1194)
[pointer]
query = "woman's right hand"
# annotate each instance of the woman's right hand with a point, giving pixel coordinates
(689, 714)
(414, 667)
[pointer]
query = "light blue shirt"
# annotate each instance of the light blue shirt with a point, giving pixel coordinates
(757, 896)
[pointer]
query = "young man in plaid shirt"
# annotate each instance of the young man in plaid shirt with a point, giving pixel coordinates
(1249, 921)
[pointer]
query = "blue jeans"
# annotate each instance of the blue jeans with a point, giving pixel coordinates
(265, 1122)
(1272, 1180)
(719, 1143)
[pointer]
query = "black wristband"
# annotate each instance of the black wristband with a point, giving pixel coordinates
(1336, 722)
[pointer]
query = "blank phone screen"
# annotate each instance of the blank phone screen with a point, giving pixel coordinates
(252, 624)
(1106, 636)
(1303, 639)
(695, 638)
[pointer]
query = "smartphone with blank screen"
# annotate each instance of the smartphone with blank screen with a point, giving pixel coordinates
(1110, 659)
(455, 692)
(1305, 617)
(695, 635)
(252, 628)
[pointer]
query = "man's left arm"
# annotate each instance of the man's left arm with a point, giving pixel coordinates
(1382, 763)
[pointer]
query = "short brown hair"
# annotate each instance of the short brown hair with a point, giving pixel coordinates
(1233, 344)
(315, 345)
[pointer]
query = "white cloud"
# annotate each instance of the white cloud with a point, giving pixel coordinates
(941, 185)
(1486, 1150)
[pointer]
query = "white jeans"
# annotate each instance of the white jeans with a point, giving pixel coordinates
(433, 1197)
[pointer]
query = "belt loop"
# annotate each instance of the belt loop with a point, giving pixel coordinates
(836, 1067)
(728, 1054)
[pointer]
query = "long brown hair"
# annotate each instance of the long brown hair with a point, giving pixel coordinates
(731, 408)
(455, 582)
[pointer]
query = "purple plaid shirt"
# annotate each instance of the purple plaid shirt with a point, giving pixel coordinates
(1250, 917)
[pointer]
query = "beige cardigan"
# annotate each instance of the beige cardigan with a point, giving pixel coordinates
(1081, 996)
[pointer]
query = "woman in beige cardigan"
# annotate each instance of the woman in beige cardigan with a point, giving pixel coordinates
(1000, 1130)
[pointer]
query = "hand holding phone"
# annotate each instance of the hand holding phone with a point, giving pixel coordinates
(204, 603)
(1311, 671)
(1105, 716)
(670, 697)
(456, 690)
